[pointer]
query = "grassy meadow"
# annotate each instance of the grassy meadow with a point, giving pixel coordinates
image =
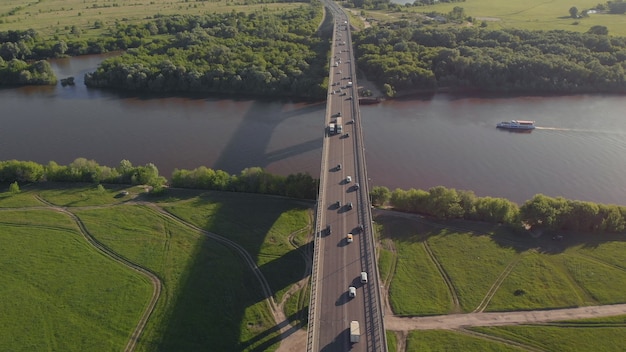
(441, 340)
(529, 14)
(569, 338)
(210, 298)
(491, 269)
(54, 17)
(58, 293)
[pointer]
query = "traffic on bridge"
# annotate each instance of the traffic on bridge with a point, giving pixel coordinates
(345, 311)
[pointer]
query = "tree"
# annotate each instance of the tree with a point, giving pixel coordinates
(573, 12)
(388, 90)
(599, 30)
(14, 188)
(380, 195)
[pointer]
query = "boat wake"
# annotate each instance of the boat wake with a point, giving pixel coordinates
(577, 130)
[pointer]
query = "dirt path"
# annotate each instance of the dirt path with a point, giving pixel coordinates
(496, 285)
(157, 286)
(456, 321)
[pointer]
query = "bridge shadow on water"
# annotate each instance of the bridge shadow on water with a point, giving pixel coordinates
(250, 144)
(221, 305)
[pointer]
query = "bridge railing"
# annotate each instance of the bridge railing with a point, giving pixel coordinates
(376, 312)
(312, 331)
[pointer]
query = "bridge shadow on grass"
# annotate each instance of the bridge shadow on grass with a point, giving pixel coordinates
(220, 306)
(415, 228)
(263, 341)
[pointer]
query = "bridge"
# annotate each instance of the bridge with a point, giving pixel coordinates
(344, 239)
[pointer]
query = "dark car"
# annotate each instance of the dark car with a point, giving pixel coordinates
(338, 167)
(338, 204)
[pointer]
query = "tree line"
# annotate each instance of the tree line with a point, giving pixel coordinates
(261, 54)
(81, 170)
(18, 73)
(408, 57)
(540, 212)
(251, 180)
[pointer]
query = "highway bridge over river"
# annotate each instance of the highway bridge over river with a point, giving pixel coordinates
(343, 207)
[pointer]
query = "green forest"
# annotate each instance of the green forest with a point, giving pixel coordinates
(540, 212)
(276, 55)
(285, 54)
(406, 57)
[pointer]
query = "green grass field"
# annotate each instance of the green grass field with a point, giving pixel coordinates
(58, 293)
(530, 14)
(210, 298)
(440, 341)
(52, 17)
(565, 338)
(525, 273)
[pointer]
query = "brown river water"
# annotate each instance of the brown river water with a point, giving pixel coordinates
(578, 150)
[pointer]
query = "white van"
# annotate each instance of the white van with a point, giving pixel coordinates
(351, 291)
(348, 179)
(363, 277)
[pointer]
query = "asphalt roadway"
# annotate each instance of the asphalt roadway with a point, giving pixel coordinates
(341, 262)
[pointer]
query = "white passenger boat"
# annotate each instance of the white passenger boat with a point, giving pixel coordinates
(517, 125)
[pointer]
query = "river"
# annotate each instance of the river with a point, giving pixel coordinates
(576, 152)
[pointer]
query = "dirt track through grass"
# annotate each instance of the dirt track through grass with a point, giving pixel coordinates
(157, 285)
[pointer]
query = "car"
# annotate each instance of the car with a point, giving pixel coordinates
(338, 204)
(349, 98)
(346, 135)
(349, 238)
(121, 194)
(360, 228)
(351, 291)
(348, 179)
(349, 205)
(338, 167)
(356, 186)
(338, 114)
(363, 277)
(328, 232)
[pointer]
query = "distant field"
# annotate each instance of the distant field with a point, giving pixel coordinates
(529, 14)
(57, 16)
(563, 338)
(439, 340)
(58, 293)
(210, 299)
(495, 270)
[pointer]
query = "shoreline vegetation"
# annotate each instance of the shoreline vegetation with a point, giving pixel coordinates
(539, 214)
(283, 53)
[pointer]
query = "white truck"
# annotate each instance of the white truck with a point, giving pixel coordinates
(355, 331)
(331, 128)
(339, 125)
